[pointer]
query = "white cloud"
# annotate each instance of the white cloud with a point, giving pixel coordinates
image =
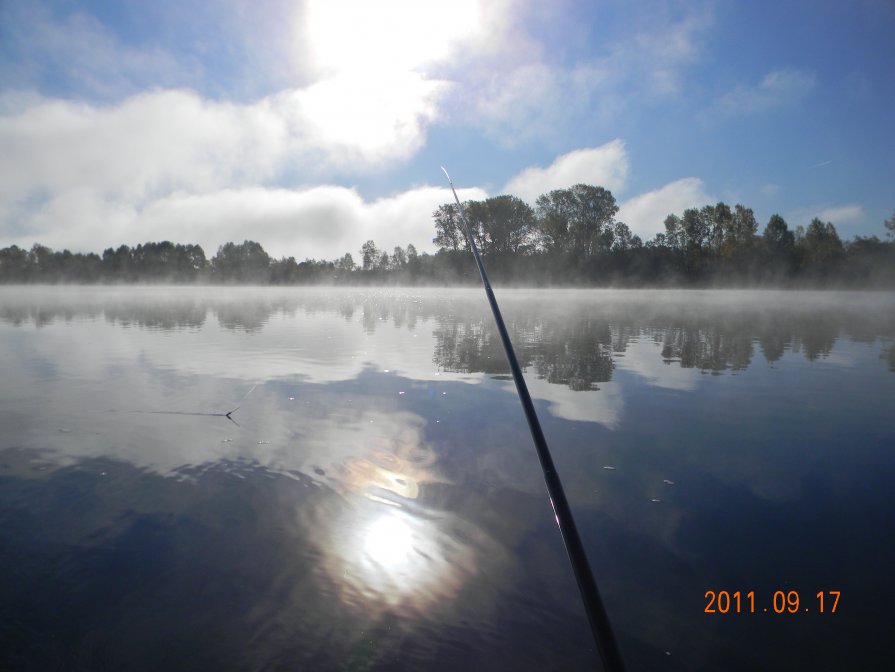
(842, 214)
(779, 88)
(535, 100)
(174, 163)
(645, 214)
(847, 214)
(321, 222)
(658, 54)
(644, 358)
(604, 406)
(527, 94)
(606, 166)
(166, 141)
(170, 162)
(150, 143)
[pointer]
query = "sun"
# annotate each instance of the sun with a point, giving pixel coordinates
(391, 36)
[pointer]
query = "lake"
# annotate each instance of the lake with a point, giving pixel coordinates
(374, 500)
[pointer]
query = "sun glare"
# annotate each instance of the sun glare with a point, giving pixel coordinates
(388, 541)
(354, 36)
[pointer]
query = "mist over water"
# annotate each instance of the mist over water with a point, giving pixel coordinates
(375, 502)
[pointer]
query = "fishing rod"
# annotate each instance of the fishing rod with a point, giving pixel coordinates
(587, 585)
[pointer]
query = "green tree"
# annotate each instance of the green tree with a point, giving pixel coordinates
(624, 239)
(695, 229)
(501, 225)
(890, 225)
(821, 246)
(245, 262)
(117, 264)
(369, 255)
(448, 228)
(510, 225)
(674, 235)
(777, 236)
(579, 219)
(778, 244)
(721, 225)
(43, 264)
(399, 258)
(745, 227)
(554, 212)
(346, 263)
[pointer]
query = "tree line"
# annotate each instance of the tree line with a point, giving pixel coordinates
(570, 237)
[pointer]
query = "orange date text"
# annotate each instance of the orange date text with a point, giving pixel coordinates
(779, 602)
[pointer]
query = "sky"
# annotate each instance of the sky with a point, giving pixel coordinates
(312, 126)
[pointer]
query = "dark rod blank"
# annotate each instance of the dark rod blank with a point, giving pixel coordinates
(593, 603)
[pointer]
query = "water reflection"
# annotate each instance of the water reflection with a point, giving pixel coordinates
(379, 507)
(575, 341)
(388, 560)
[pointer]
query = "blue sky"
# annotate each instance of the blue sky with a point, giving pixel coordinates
(312, 126)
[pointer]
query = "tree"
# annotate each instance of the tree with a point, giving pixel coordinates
(673, 236)
(510, 225)
(399, 258)
(721, 227)
(890, 225)
(624, 239)
(821, 247)
(777, 235)
(346, 263)
(579, 219)
(501, 224)
(191, 261)
(554, 213)
(370, 255)
(448, 229)
(745, 227)
(594, 216)
(779, 245)
(778, 240)
(246, 262)
(694, 228)
(117, 263)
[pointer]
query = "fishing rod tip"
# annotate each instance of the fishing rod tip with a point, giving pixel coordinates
(444, 170)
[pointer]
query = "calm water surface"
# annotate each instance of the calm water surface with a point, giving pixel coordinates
(376, 502)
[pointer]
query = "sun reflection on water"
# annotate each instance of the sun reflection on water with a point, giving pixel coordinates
(387, 550)
(389, 542)
(384, 558)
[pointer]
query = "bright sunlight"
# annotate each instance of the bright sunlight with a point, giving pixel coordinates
(358, 36)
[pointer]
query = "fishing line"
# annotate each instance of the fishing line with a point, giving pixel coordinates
(228, 414)
(587, 585)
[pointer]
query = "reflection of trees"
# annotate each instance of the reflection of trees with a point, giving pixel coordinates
(567, 338)
(576, 354)
(710, 348)
(471, 346)
(817, 335)
(166, 316)
(246, 315)
(889, 355)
